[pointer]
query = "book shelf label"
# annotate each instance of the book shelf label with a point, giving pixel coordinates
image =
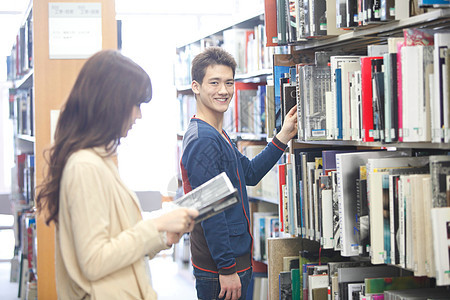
(75, 30)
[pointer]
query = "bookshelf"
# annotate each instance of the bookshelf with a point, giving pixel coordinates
(354, 41)
(21, 105)
(50, 81)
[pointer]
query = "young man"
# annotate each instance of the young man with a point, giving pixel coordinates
(221, 245)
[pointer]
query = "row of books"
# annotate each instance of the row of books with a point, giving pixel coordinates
(23, 264)
(245, 115)
(22, 175)
(247, 46)
(265, 225)
(398, 93)
(370, 203)
(21, 111)
(187, 107)
(306, 277)
(21, 59)
(294, 21)
(267, 187)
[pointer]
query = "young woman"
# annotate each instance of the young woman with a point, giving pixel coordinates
(101, 239)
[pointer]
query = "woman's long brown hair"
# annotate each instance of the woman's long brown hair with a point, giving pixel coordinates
(95, 114)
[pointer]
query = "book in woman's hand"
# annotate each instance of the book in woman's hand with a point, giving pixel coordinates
(210, 198)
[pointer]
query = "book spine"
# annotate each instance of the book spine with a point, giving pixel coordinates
(339, 104)
(400, 91)
(340, 195)
(366, 99)
(290, 193)
(281, 184)
(393, 215)
(331, 115)
(270, 17)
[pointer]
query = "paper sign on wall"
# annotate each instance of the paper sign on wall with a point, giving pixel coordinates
(54, 115)
(75, 30)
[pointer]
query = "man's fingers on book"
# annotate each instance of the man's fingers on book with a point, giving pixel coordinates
(293, 110)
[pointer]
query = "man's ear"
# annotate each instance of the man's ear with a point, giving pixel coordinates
(195, 87)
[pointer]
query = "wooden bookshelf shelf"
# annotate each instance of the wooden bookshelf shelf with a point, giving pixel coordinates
(27, 138)
(339, 143)
(25, 82)
(273, 201)
(359, 38)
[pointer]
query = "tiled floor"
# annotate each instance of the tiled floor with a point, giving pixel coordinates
(8, 290)
(170, 281)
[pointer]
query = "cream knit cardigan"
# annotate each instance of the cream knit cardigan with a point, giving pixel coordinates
(101, 238)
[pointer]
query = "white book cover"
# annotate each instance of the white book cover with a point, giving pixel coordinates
(411, 89)
(291, 199)
(336, 62)
(356, 108)
(256, 221)
(376, 198)
(446, 87)
(210, 198)
(440, 219)
(310, 182)
(347, 70)
(392, 43)
(269, 185)
(317, 205)
(429, 255)
(315, 83)
(393, 223)
(418, 220)
(335, 205)
(294, 188)
(284, 191)
(347, 166)
(388, 99)
(441, 42)
(402, 221)
(250, 151)
(415, 84)
(315, 282)
(304, 195)
(409, 249)
(330, 104)
(402, 9)
(327, 219)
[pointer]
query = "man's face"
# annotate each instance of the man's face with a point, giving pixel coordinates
(216, 91)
